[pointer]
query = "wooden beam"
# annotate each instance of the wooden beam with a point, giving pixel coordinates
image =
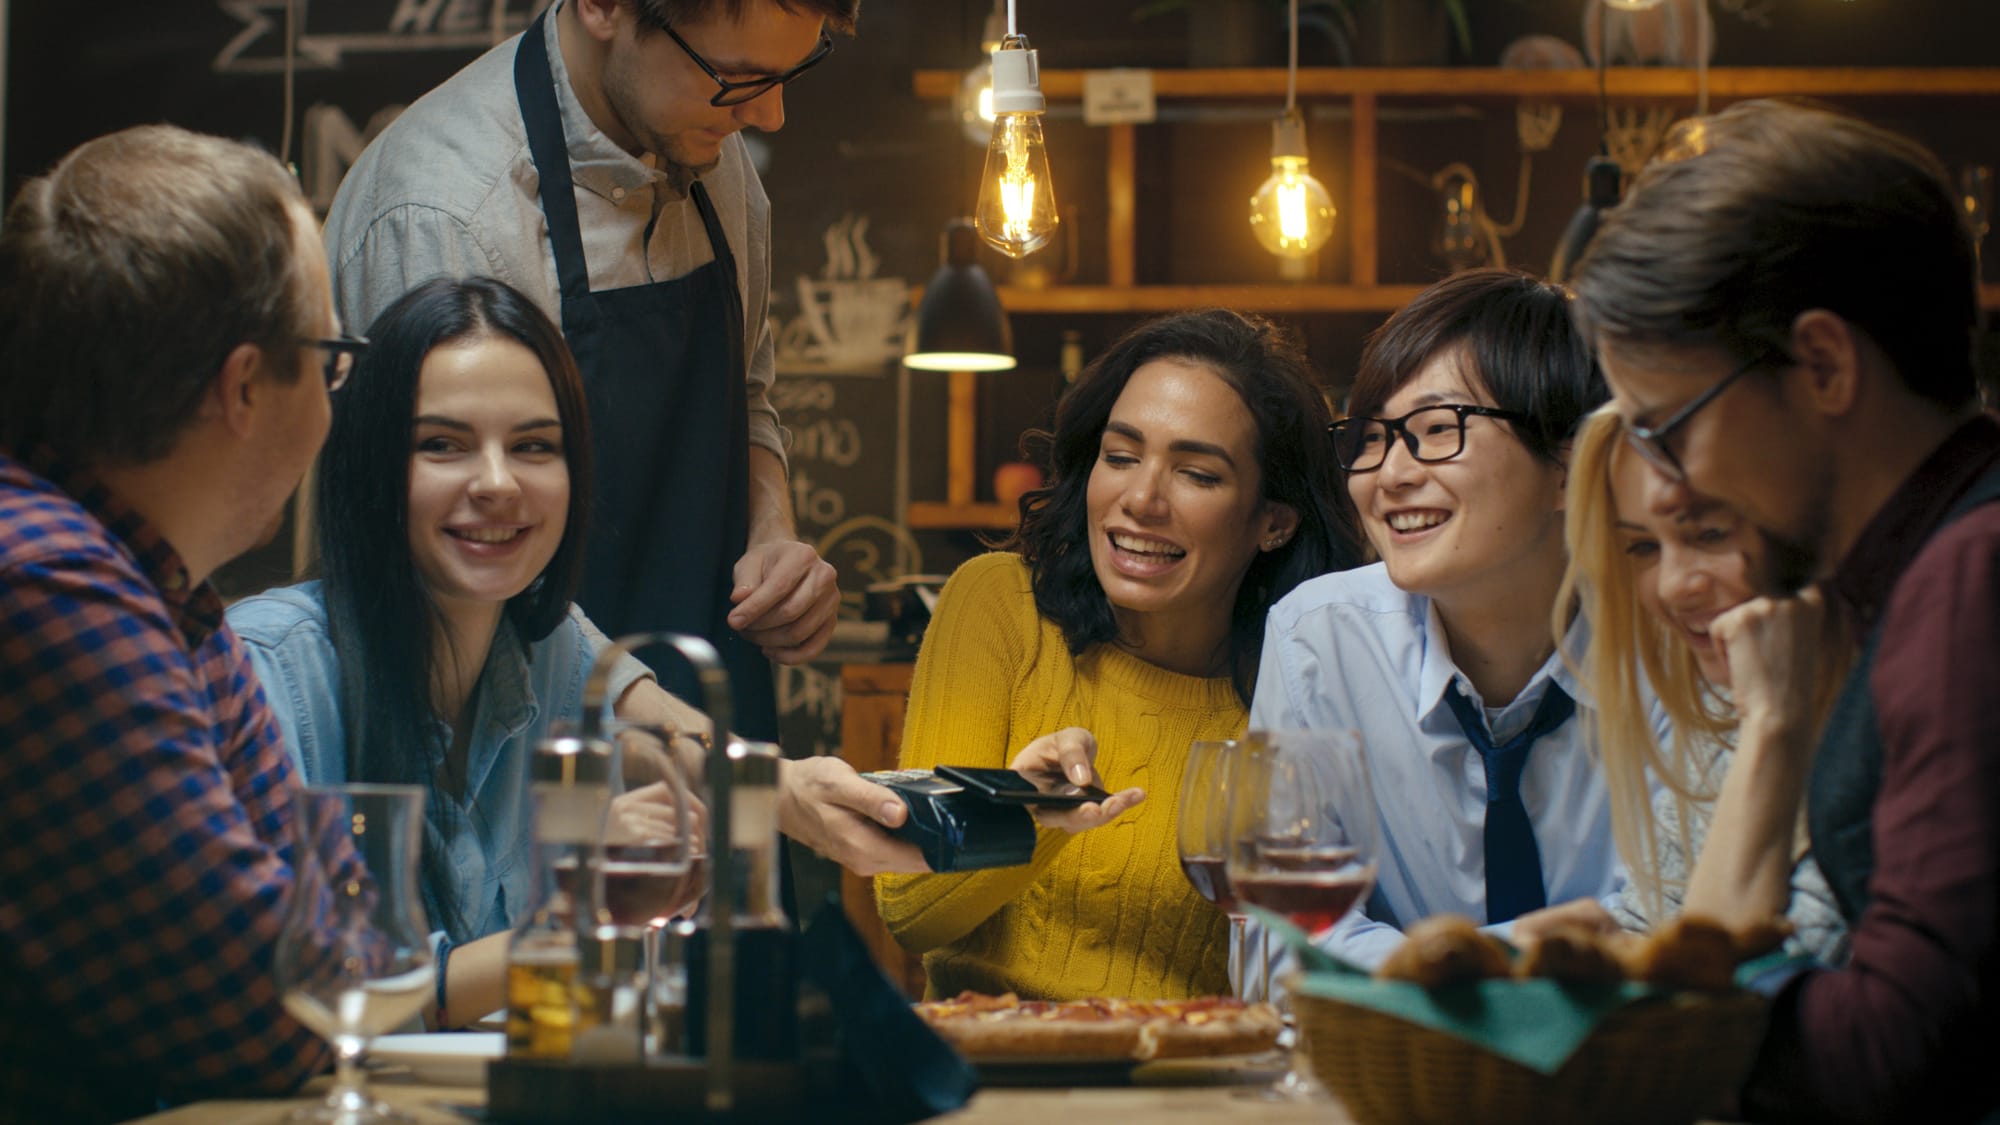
(1362, 221)
(961, 438)
(1121, 190)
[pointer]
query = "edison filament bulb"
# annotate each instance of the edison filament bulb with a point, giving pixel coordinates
(1016, 214)
(1291, 214)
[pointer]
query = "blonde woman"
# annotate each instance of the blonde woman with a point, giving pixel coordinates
(1651, 571)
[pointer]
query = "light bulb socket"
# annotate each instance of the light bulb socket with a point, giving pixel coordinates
(1017, 78)
(1288, 136)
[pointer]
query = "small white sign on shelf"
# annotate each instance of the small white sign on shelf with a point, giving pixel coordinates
(1118, 97)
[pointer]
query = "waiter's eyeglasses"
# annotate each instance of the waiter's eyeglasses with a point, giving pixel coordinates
(736, 93)
(341, 354)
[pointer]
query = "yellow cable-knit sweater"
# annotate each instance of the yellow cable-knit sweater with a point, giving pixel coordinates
(1102, 913)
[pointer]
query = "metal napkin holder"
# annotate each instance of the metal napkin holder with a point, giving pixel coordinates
(717, 1086)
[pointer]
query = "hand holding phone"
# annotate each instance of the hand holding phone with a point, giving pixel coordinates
(1012, 787)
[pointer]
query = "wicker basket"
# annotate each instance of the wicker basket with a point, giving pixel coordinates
(1668, 1061)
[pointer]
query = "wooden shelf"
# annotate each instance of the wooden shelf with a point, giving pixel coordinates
(1274, 297)
(1361, 88)
(1493, 82)
(1279, 297)
(931, 515)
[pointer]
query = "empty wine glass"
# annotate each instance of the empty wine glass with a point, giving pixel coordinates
(354, 958)
(1302, 839)
(1203, 836)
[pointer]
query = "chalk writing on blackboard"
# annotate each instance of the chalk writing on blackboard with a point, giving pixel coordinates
(410, 25)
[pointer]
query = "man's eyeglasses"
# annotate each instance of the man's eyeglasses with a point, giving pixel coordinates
(1651, 441)
(340, 356)
(1431, 434)
(736, 93)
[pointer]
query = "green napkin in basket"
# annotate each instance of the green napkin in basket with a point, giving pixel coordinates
(1537, 1023)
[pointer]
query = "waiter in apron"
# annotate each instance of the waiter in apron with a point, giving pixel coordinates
(581, 163)
(664, 371)
(597, 146)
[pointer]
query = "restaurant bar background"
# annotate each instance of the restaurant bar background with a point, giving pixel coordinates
(868, 170)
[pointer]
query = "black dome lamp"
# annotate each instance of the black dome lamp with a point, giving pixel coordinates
(960, 324)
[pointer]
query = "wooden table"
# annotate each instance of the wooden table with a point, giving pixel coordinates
(1176, 1092)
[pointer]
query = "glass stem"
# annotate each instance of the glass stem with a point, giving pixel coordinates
(350, 1089)
(1264, 961)
(1237, 924)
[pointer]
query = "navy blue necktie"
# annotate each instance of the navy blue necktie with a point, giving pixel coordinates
(1513, 862)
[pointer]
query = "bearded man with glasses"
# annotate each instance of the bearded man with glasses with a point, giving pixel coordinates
(1784, 307)
(595, 164)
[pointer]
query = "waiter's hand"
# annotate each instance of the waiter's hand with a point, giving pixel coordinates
(786, 599)
(825, 805)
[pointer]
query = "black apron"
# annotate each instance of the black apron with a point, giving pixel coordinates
(663, 373)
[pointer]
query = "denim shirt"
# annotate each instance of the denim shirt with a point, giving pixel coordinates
(522, 692)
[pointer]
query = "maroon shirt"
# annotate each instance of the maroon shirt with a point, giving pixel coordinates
(1909, 1025)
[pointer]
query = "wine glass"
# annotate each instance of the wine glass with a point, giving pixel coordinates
(655, 869)
(354, 958)
(1203, 836)
(1302, 839)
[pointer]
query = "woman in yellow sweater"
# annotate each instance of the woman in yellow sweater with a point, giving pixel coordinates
(1192, 485)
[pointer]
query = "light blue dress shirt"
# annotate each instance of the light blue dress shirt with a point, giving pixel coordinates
(1352, 651)
(523, 691)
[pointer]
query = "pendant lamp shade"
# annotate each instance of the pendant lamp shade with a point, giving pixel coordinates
(960, 324)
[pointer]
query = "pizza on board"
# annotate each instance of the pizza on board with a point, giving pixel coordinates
(1008, 1027)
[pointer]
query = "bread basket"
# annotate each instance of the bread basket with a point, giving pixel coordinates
(1671, 1058)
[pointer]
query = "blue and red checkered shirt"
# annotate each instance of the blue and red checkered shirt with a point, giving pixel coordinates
(145, 807)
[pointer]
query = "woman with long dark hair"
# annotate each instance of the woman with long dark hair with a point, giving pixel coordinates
(440, 643)
(1192, 485)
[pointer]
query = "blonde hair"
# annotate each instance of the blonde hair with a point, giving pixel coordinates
(1629, 648)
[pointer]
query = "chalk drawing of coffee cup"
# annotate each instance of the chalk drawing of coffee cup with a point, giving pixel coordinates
(856, 321)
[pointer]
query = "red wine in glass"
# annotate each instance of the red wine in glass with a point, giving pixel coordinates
(639, 885)
(1314, 886)
(1210, 878)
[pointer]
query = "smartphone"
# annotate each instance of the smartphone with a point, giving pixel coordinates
(1016, 788)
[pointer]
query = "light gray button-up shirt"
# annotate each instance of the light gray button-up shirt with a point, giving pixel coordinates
(449, 188)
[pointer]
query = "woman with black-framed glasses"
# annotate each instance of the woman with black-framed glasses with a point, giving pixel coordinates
(1440, 655)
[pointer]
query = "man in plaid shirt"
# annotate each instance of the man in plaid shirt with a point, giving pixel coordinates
(163, 299)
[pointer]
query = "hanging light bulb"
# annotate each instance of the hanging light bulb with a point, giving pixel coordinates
(1017, 202)
(1291, 214)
